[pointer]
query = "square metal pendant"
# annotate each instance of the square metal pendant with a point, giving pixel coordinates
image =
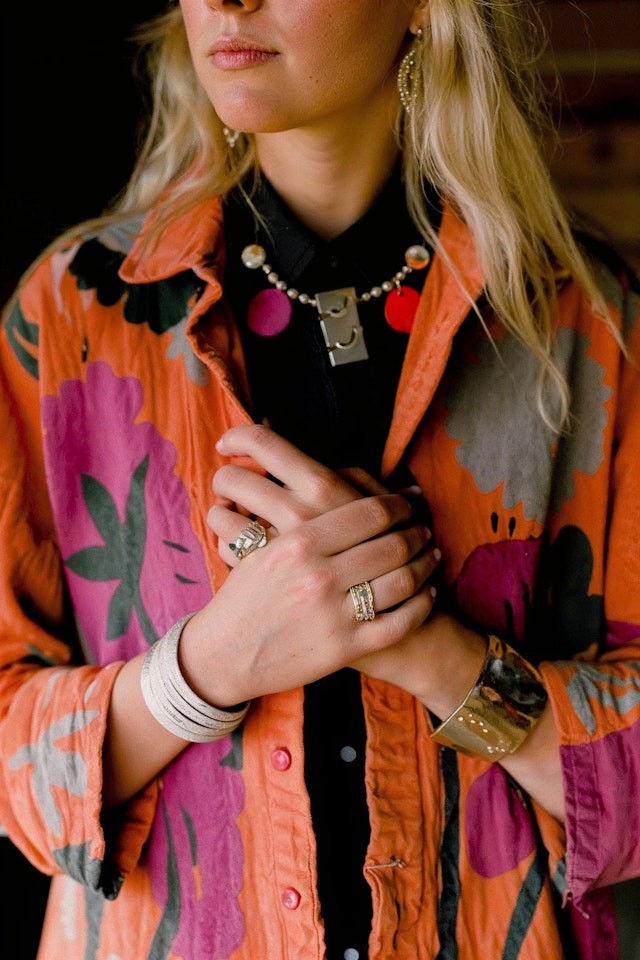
(341, 327)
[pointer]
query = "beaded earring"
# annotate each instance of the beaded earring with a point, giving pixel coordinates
(407, 73)
(230, 136)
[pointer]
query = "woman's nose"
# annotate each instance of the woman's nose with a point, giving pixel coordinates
(226, 5)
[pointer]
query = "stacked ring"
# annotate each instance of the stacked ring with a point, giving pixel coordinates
(249, 539)
(363, 601)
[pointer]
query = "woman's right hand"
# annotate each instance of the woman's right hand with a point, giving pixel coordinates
(285, 615)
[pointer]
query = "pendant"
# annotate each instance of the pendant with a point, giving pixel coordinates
(400, 308)
(341, 327)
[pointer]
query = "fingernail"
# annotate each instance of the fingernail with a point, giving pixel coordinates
(437, 553)
(433, 591)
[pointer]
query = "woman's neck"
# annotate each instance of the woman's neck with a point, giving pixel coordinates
(327, 184)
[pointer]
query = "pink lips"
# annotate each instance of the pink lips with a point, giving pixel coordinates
(235, 53)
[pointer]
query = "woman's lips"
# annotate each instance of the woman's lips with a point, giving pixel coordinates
(236, 54)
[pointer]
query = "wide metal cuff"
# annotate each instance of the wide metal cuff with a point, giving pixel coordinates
(501, 709)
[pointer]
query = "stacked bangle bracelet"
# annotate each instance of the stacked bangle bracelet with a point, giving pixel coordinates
(501, 709)
(172, 701)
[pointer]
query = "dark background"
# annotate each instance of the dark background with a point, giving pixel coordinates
(69, 120)
(70, 108)
(69, 117)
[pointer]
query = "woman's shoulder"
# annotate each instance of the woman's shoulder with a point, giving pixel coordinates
(98, 244)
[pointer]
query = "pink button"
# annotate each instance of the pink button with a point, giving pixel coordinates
(281, 759)
(290, 898)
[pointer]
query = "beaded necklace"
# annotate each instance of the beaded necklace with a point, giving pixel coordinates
(337, 309)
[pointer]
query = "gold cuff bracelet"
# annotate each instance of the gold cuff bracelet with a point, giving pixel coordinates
(501, 709)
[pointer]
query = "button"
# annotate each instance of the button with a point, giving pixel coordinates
(348, 754)
(351, 954)
(290, 898)
(281, 759)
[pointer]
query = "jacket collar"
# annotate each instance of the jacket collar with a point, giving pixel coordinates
(450, 290)
(194, 241)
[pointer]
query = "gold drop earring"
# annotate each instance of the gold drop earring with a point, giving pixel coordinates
(407, 73)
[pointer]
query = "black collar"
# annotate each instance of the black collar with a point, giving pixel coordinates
(368, 252)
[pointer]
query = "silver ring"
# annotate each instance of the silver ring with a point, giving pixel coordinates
(249, 539)
(362, 601)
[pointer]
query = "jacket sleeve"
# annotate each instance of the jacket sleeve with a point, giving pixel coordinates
(596, 702)
(53, 708)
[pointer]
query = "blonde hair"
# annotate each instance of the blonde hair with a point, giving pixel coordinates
(476, 130)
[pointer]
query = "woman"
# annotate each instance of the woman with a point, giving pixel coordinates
(321, 577)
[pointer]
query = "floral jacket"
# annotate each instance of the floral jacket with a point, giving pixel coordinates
(120, 365)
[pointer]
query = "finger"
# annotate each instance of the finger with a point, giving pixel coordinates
(363, 481)
(338, 531)
(398, 585)
(381, 555)
(314, 483)
(260, 495)
(228, 525)
(391, 625)
(353, 523)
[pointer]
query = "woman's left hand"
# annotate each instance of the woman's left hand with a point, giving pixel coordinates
(305, 489)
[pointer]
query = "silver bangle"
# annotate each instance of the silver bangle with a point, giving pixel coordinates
(172, 701)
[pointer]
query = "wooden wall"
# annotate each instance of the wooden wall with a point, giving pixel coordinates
(596, 46)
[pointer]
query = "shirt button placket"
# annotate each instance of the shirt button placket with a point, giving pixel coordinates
(281, 760)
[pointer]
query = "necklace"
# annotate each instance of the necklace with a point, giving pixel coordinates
(270, 311)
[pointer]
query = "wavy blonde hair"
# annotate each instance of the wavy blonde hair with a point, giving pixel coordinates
(477, 130)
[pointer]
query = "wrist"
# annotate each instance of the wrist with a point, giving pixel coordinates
(454, 660)
(174, 703)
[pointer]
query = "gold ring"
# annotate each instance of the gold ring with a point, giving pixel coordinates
(249, 539)
(363, 601)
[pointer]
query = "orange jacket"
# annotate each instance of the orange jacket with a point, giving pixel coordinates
(119, 370)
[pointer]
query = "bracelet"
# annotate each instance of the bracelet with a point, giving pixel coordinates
(172, 701)
(501, 709)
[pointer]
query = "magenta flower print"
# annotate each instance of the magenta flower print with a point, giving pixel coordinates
(510, 839)
(195, 853)
(134, 565)
(496, 585)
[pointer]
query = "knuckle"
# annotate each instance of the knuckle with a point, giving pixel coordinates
(322, 488)
(310, 578)
(314, 583)
(398, 549)
(380, 512)
(259, 436)
(223, 477)
(297, 546)
(407, 581)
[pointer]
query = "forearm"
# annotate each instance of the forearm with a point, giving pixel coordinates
(136, 748)
(535, 764)
(439, 665)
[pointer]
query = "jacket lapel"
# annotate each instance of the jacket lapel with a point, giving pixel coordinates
(453, 285)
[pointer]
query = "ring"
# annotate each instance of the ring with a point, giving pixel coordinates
(363, 601)
(250, 538)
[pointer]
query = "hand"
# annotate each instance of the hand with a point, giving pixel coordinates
(284, 616)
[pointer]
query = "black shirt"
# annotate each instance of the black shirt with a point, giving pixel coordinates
(339, 415)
